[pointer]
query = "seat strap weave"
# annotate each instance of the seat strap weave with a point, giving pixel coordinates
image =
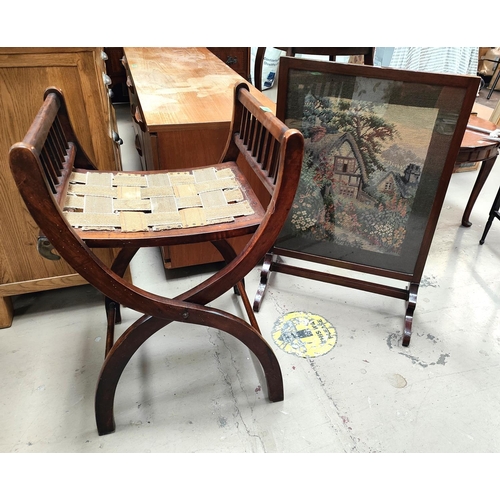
(153, 201)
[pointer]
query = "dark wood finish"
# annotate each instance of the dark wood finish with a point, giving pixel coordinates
(412, 279)
(237, 58)
(474, 148)
(257, 67)
(332, 52)
(258, 142)
(494, 214)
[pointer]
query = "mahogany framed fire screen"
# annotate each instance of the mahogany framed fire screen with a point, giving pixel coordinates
(380, 146)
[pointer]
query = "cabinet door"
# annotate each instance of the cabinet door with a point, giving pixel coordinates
(24, 76)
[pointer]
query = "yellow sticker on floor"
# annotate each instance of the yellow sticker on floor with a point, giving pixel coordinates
(304, 334)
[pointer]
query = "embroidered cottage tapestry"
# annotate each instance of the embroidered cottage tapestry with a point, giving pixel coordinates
(374, 154)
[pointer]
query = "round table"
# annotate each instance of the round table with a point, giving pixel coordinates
(475, 148)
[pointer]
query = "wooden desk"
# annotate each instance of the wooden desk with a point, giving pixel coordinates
(475, 148)
(181, 102)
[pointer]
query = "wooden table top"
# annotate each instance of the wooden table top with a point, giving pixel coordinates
(475, 146)
(182, 87)
(474, 139)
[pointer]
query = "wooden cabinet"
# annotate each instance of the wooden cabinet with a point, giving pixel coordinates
(181, 101)
(24, 75)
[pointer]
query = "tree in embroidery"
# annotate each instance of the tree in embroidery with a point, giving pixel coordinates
(370, 131)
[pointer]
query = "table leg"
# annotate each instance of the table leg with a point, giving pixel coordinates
(484, 171)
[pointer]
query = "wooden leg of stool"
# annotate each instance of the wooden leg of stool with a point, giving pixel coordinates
(228, 253)
(410, 310)
(113, 312)
(113, 367)
(145, 327)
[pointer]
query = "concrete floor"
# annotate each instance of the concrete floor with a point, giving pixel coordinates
(198, 390)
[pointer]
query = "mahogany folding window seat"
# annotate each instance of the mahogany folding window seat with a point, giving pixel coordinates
(78, 208)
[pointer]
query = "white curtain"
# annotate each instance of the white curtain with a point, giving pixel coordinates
(454, 60)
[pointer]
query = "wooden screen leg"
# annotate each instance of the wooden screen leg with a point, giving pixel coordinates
(410, 309)
(6, 312)
(264, 278)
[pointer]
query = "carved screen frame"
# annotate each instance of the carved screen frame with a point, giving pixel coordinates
(325, 101)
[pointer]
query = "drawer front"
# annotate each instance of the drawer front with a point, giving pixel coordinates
(237, 58)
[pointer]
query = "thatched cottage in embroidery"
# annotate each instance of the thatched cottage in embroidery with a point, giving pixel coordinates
(339, 161)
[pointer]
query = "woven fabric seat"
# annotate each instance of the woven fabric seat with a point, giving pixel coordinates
(154, 202)
(78, 208)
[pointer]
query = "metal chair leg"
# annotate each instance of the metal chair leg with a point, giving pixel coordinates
(494, 213)
(492, 87)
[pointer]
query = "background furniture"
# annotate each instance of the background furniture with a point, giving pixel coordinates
(494, 214)
(451, 60)
(366, 53)
(181, 103)
(65, 193)
(476, 148)
(24, 75)
(489, 59)
(373, 182)
(495, 79)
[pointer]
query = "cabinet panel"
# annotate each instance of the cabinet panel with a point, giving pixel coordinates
(197, 253)
(24, 76)
(175, 149)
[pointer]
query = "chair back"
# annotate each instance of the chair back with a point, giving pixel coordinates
(332, 52)
(259, 143)
(50, 147)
